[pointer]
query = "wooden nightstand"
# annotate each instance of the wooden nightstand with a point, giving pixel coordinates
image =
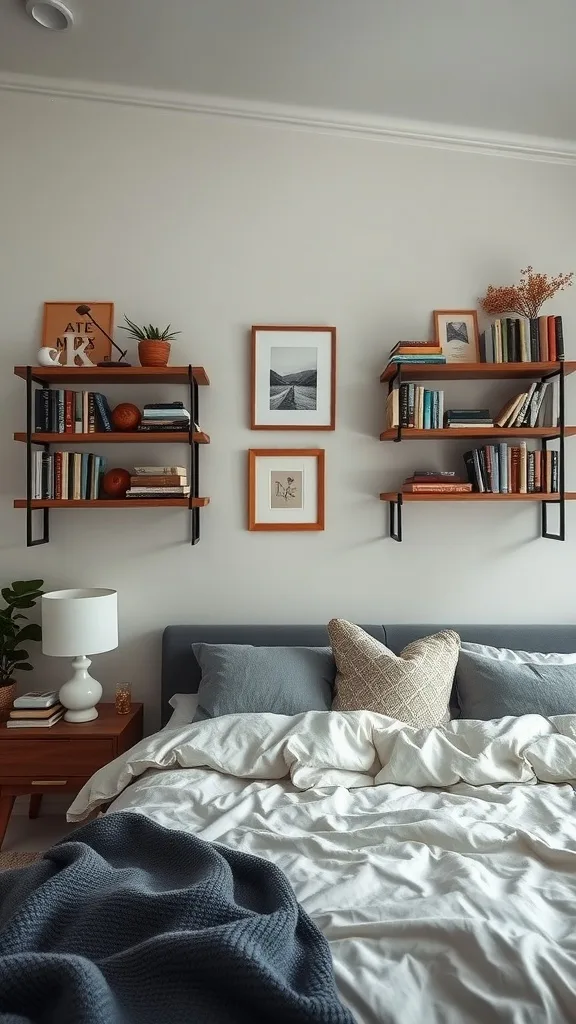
(62, 758)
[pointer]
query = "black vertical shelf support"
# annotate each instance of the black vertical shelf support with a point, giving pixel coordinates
(194, 458)
(560, 503)
(45, 537)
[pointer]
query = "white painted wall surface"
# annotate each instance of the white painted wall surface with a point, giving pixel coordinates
(215, 225)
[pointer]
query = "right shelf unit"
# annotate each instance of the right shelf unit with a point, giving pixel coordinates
(398, 373)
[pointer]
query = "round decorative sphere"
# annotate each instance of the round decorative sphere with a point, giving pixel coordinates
(126, 416)
(115, 483)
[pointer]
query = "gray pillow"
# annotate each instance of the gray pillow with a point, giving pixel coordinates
(238, 678)
(488, 688)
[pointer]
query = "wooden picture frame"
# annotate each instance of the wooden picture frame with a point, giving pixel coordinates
(286, 489)
(58, 316)
(456, 332)
(276, 354)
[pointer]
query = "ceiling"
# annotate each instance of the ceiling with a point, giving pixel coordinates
(497, 65)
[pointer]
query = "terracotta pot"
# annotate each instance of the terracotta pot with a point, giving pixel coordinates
(153, 353)
(7, 695)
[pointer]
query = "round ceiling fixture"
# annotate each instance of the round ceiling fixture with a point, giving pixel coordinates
(50, 14)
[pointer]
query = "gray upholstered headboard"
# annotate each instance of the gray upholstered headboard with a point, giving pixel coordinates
(181, 672)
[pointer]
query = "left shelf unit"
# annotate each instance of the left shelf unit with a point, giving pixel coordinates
(191, 377)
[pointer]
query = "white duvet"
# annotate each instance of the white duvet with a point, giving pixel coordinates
(447, 905)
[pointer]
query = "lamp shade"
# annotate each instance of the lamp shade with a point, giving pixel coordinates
(76, 622)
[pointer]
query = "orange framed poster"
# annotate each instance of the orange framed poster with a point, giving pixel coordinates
(76, 339)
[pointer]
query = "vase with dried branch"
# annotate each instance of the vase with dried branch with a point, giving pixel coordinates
(527, 297)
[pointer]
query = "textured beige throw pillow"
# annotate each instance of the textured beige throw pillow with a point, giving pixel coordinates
(414, 687)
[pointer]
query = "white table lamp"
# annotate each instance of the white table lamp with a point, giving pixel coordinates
(76, 623)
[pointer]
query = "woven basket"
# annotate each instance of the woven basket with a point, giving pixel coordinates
(7, 695)
(153, 353)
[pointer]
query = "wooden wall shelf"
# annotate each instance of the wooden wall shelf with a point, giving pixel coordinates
(88, 375)
(473, 371)
(114, 503)
(472, 496)
(484, 433)
(118, 437)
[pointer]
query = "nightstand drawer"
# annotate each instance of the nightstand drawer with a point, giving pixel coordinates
(53, 758)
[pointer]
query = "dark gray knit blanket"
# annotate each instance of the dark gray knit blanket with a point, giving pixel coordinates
(127, 922)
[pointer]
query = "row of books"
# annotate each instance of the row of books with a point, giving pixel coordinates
(512, 469)
(531, 408)
(58, 411)
(35, 710)
(71, 476)
(520, 340)
(158, 482)
(417, 352)
(414, 406)
(163, 416)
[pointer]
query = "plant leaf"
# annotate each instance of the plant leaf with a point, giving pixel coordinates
(25, 667)
(30, 632)
(27, 586)
(19, 656)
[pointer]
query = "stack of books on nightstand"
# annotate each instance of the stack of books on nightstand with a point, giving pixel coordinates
(35, 710)
(159, 482)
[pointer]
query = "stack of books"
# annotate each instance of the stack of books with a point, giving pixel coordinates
(413, 406)
(165, 416)
(425, 481)
(35, 710)
(512, 469)
(520, 340)
(70, 412)
(468, 418)
(416, 352)
(67, 476)
(532, 408)
(158, 482)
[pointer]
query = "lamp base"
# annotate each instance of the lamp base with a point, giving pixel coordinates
(81, 693)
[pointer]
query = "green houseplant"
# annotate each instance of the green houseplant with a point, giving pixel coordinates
(22, 594)
(153, 343)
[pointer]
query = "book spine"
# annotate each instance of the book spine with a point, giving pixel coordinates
(504, 328)
(91, 413)
(61, 411)
(404, 420)
(478, 470)
(498, 348)
(470, 471)
(534, 340)
(538, 470)
(435, 407)
(103, 411)
(554, 473)
(68, 412)
(411, 400)
(84, 476)
(515, 468)
(559, 338)
(427, 416)
(511, 336)
(84, 412)
(58, 474)
(77, 412)
(531, 473)
(503, 467)
(483, 469)
(519, 422)
(552, 338)
(543, 332)
(523, 468)
(65, 460)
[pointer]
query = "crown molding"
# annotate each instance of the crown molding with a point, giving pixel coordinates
(332, 122)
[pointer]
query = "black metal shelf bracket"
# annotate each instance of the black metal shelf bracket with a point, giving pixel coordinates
(395, 518)
(560, 503)
(194, 459)
(31, 541)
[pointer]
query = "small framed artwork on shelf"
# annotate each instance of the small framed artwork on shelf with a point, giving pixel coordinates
(73, 334)
(456, 333)
(293, 382)
(286, 489)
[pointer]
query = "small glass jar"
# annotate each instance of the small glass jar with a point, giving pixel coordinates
(123, 698)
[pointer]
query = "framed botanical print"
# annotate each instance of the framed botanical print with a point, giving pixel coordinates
(293, 378)
(456, 332)
(286, 489)
(75, 337)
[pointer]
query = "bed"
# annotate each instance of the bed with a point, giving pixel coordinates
(445, 883)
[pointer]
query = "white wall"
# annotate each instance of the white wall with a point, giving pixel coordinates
(215, 225)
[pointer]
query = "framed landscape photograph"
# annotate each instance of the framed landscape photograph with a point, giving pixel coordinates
(61, 322)
(286, 489)
(293, 378)
(456, 331)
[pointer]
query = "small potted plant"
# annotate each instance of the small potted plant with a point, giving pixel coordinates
(153, 344)
(21, 594)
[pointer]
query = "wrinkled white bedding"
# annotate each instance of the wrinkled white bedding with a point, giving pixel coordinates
(442, 906)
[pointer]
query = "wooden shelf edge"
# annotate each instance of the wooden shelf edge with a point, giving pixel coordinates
(118, 437)
(417, 434)
(113, 375)
(472, 496)
(113, 503)
(474, 371)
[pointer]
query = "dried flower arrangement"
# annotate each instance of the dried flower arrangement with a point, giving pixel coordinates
(524, 298)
